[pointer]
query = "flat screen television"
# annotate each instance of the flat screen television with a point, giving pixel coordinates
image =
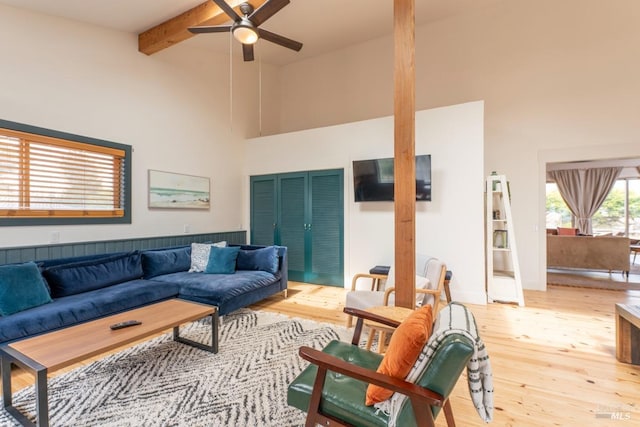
(373, 179)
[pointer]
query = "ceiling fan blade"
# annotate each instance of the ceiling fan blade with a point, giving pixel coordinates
(267, 10)
(227, 9)
(210, 29)
(247, 52)
(278, 39)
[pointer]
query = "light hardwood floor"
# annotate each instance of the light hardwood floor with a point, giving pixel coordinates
(553, 360)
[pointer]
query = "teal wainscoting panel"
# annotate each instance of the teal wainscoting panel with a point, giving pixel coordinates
(43, 252)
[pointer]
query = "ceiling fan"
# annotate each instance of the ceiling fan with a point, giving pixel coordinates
(245, 28)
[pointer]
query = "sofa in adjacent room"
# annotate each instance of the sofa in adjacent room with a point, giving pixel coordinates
(38, 297)
(609, 253)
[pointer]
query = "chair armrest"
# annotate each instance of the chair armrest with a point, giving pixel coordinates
(373, 277)
(361, 315)
(332, 363)
(387, 293)
(391, 289)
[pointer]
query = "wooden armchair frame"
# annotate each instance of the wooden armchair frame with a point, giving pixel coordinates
(421, 398)
(375, 284)
(436, 292)
(375, 280)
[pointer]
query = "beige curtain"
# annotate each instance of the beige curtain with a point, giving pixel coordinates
(584, 190)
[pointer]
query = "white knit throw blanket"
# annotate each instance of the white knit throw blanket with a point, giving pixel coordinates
(454, 318)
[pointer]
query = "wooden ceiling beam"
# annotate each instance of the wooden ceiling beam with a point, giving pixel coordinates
(175, 30)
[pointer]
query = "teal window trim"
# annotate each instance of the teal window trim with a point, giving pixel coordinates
(125, 219)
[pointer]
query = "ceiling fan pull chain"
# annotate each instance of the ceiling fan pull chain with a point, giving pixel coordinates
(259, 93)
(230, 81)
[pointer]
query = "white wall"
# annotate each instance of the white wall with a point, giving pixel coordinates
(558, 80)
(172, 107)
(450, 227)
(554, 75)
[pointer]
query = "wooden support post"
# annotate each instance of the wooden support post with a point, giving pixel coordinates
(404, 151)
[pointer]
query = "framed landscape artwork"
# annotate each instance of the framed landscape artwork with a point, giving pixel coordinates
(169, 190)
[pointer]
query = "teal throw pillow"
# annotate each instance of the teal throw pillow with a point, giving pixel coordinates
(21, 287)
(222, 260)
(264, 259)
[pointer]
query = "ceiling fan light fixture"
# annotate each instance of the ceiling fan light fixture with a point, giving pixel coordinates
(245, 32)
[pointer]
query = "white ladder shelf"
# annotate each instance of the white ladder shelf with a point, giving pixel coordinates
(504, 283)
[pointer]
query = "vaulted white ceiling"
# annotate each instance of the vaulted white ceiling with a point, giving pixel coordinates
(322, 25)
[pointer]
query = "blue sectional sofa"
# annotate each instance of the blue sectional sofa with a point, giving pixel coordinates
(85, 288)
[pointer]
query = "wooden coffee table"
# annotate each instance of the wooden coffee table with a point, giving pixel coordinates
(55, 350)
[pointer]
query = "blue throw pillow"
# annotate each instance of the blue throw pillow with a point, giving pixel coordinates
(222, 260)
(78, 277)
(21, 287)
(264, 259)
(165, 261)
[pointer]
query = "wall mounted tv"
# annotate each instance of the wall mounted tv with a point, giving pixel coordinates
(373, 179)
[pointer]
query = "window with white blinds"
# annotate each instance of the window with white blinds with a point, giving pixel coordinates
(47, 177)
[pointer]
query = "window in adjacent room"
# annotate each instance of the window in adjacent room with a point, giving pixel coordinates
(49, 177)
(618, 215)
(620, 211)
(558, 214)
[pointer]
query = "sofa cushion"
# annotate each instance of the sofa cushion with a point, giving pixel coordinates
(21, 287)
(265, 259)
(226, 291)
(83, 307)
(222, 260)
(200, 255)
(165, 261)
(77, 277)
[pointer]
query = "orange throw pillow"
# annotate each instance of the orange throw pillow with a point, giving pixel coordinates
(567, 231)
(404, 348)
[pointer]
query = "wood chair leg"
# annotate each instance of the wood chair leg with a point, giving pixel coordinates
(372, 333)
(382, 341)
(448, 414)
(349, 321)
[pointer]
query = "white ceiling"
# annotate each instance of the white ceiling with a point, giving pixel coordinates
(322, 25)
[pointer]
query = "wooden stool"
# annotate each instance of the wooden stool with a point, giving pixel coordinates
(628, 333)
(390, 312)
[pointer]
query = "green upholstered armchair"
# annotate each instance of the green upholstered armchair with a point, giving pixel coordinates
(332, 388)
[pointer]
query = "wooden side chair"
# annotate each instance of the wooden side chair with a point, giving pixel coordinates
(333, 387)
(430, 278)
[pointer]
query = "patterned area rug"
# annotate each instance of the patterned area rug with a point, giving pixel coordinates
(164, 383)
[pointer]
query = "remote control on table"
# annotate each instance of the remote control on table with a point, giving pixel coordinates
(125, 324)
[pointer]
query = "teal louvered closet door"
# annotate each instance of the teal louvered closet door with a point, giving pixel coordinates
(308, 219)
(263, 210)
(292, 221)
(326, 228)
